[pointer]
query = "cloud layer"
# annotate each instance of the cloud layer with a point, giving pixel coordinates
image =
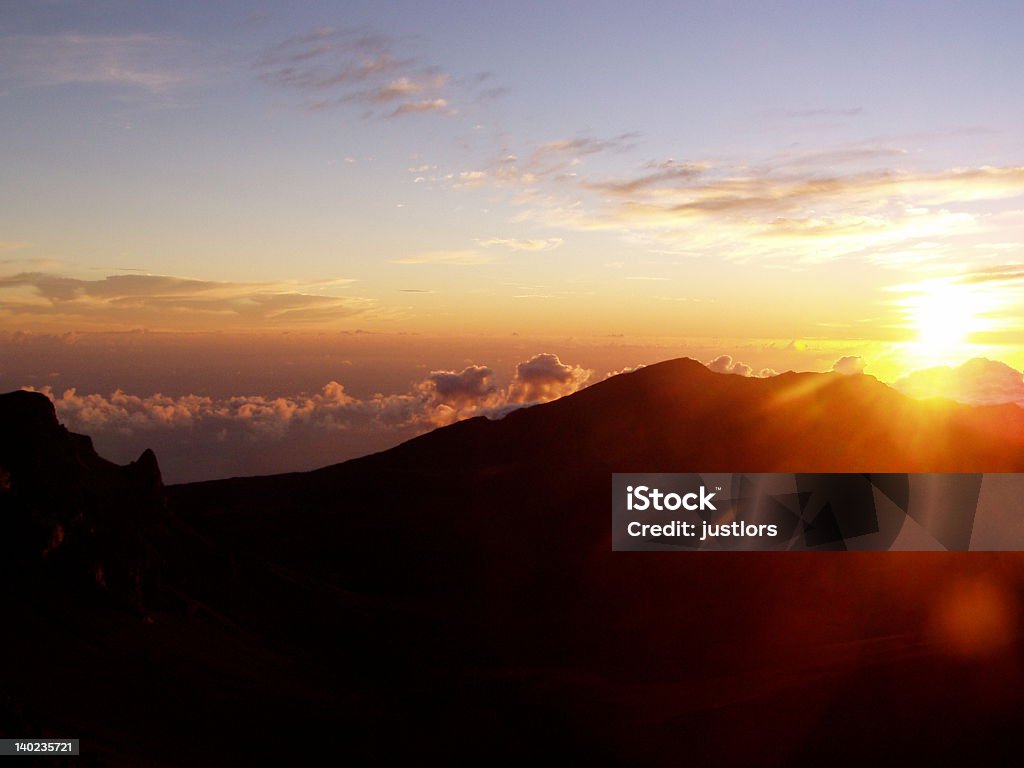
(163, 301)
(441, 398)
(794, 209)
(978, 382)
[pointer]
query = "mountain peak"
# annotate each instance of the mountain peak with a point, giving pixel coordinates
(24, 412)
(64, 507)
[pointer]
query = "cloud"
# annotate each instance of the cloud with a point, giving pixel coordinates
(404, 87)
(725, 364)
(449, 396)
(457, 258)
(544, 377)
(627, 369)
(979, 381)
(149, 62)
(552, 161)
(441, 398)
(471, 385)
(660, 174)
(333, 67)
(792, 210)
(849, 365)
(529, 244)
(1001, 273)
(420, 106)
(124, 413)
(696, 193)
(170, 302)
(580, 146)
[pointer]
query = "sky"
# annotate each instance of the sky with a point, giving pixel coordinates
(478, 185)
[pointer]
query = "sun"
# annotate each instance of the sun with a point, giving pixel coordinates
(943, 314)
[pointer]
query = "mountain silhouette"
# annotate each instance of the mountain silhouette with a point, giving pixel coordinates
(457, 596)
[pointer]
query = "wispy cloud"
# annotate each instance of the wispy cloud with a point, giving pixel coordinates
(332, 67)
(789, 214)
(467, 257)
(580, 146)
(420, 106)
(1000, 273)
(163, 301)
(523, 244)
(150, 62)
(545, 162)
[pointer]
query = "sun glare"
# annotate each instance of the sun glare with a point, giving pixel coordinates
(943, 315)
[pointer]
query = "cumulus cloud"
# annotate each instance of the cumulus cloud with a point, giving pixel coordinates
(725, 364)
(849, 365)
(544, 377)
(441, 398)
(125, 413)
(979, 381)
(471, 384)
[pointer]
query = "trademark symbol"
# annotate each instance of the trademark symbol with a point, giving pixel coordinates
(718, 487)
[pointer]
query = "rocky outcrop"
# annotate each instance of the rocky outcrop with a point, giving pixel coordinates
(66, 512)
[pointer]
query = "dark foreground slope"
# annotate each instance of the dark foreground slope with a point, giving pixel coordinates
(457, 596)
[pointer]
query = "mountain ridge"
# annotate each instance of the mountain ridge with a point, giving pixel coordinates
(466, 576)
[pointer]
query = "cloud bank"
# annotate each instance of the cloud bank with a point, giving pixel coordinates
(979, 381)
(168, 302)
(441, 398)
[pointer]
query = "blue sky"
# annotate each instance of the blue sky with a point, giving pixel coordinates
(646, 168)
